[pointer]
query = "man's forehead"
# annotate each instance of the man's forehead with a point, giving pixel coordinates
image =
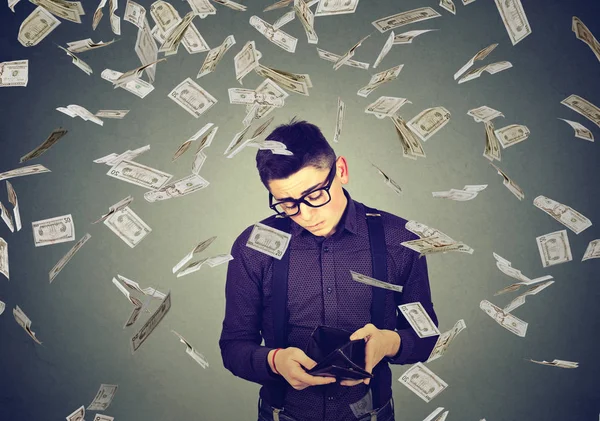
(296, 184)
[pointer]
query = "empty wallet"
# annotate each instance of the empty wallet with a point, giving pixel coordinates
(336, 355)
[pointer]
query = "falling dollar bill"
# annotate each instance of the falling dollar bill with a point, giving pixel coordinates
(268, 240)
(67, 257)
(506, 320)
(566, 215)
(140, 337)
(554, 248)
(419, 319)
(367, 280)
(54, 230)
(445, 339)
(103, 398)
(423, 382)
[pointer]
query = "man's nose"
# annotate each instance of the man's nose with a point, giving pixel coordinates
(305, 211)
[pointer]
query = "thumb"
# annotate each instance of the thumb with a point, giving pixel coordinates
(305, 360)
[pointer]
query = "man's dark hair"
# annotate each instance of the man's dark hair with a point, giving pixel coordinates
(305, 141)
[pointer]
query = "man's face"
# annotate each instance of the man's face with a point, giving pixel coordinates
(327, 216)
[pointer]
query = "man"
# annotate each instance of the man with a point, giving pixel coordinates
(329, 237)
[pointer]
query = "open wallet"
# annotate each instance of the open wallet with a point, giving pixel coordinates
(336, 355)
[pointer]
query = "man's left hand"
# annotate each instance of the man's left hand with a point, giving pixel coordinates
(377, 347)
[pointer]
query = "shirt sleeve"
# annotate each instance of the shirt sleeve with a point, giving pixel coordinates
(241, 339)
(414, 349)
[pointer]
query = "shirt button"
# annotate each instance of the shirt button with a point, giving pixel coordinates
(325, 249)
(329, 398)
(328, 290)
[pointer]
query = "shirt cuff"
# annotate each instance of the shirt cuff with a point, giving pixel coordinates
(407, 345)
(261, 364)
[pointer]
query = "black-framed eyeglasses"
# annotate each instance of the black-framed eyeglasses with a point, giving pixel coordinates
(315, 198)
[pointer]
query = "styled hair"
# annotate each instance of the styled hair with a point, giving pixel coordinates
(305, 141)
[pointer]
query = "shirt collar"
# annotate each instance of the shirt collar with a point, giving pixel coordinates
(347, 221)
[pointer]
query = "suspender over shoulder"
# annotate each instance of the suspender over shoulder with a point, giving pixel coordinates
(280, 287)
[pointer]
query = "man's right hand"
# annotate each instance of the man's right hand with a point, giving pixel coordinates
(289, 363)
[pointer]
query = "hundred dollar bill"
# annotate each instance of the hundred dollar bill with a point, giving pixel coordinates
(87, 44)
(558, 363)
(419, 319)
(349, 54)
(405, 18)
(330, 8)
(138, 87)
(339, 120)
(389, 182)
(77, 415)
(520, 300)
(128, 226)
(4, 269)
(445, 339)
(59, 229)
(583, 107)
(591, 252)
(67, 257)
(103, 398)
(554, 248)
(448, 5)
(12, 198)
(23, 171)
(25, 323)
(469, 192)
(186, 185)
(214, 56)
(111, 113)
(198, 249)
(14, 73)
(407, 37)
(47, 144)
(481, 54)
(277, 36)
(6, 217)
(192, 97)
(367, 280)
(211, 261)
(428, 122)
(492, 146)
(205, 142)
(423, 382)
(140, 337)
(581, 131)
(134, 13)
(78, 62)
(138, 174)
(36, 27)
(491, 68)
(584, 34)
(510, 184)
(514, 19)
(386, 106)
(511, 135)
(506, 320)
(191, 351)
(326, 55)
(246, 60)
(268, 240)
(307, 19)
(566, 215)
(484, 113)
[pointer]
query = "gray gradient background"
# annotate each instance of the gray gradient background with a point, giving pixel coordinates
(79, 317)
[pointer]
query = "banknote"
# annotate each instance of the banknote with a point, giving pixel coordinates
(232, 5)
(202, 8)
(4, 269)
(14, 73)
(386, 106)
(77, 415)
(469, 192)
(134, 286)
(36, 27)
(584, 34)
(128, 226)
(25, 323)
(581, 131)
(211, 261)
(506, 320)
(445, 339)
(198, 249)
(145, 47)
(284, 19)
(268, 240)
(138, 174)
(407, 37)
(246, 60)
(405, 18)
(367, 280)
(591, 252)
(558, 363)
(389, 182)
(135, 13)
(47, 144)
(203, 134)
(186, 185)
(6, 217)
(379, 79)
(277, 36)
(438, 414)
(78, 62)
(101, 417)
(423, 382)
(103, 398)
(298, 86)
(511, 135)
(481, 54)
(12, 198)
(87, 44)
(510, 184)
(326, 55)
(349, 54)
(411, 147)
(428, 122)
(448, 5)
(128, 155)
(583, 107)
(484, 113)
(146, 330)
(23, 171)
(74, 110)
(55, 230)
(118, 114)
(417, 317)
(193, 41)
(192, 97)
(491, 68)
(307, 19)
(566, 215)
(514, 19)
(554, 248)
(520, 300)
(174, 37)
(339, 120)
(506, 267)
(330, 8)
(2, 306)
(67, 257)
(138, 87)
(214, 56)
(191, 351)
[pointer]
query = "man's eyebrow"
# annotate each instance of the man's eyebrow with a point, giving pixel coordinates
(303, 193)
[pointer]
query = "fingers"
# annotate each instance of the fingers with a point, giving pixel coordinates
(313, 380)
(347, 382)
